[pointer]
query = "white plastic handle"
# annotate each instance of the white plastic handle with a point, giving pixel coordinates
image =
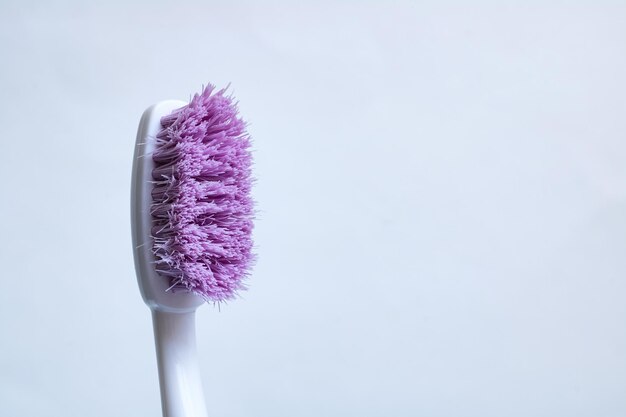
(179, 375)
(173, 313)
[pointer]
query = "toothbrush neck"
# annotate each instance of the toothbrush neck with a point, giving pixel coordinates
(179, 374)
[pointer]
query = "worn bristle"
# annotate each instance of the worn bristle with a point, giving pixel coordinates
(201, 205)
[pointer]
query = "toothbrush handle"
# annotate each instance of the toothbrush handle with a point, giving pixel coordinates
(179, 374)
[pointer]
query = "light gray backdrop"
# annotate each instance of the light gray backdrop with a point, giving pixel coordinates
(441, 194)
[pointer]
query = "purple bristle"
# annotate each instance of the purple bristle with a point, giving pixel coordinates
(201, 205)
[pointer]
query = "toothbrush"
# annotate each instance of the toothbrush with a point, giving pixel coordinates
(191, 220)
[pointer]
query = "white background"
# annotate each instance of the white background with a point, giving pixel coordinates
(441, 194)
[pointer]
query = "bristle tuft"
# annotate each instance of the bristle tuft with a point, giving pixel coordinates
(202, 209)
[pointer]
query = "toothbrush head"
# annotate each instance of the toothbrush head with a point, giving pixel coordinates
(197, 162)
